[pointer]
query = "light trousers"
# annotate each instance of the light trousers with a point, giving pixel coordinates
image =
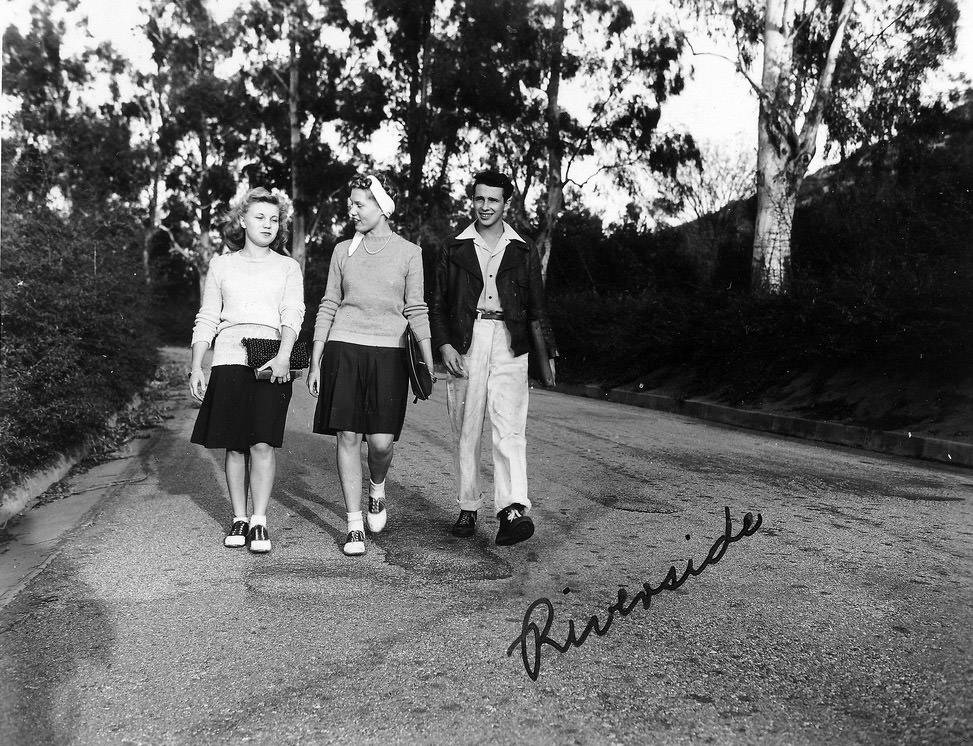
(495, 383)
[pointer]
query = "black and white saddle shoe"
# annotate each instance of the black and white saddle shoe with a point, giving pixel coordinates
(354, 543)
(515, 527)
(465, 525)
(259, 540)
(237, 537)
(377, 515)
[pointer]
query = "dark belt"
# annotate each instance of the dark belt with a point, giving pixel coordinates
(489, 315)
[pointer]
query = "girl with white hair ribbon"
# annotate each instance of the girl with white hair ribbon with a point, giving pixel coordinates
(357, 372)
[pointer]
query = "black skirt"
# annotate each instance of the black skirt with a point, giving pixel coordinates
(363, 390)
(239, 411)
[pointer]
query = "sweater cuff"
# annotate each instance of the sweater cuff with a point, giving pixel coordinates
(421, 328)
(201, 338)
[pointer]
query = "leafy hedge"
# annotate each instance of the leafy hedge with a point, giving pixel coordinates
(882, 282)
(75, 345)
(742, 346)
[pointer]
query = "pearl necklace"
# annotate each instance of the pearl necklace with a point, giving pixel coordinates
(378, 251)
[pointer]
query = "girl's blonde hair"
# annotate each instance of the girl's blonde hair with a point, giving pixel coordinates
(233, 233)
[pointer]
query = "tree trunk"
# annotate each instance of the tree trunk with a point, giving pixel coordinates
(151, 228)
(783, 154)
(299, 232)
(555, 185)
(778, 182)
(202, 255)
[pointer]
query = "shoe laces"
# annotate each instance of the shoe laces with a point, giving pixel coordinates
(375, 505)
(513, 513)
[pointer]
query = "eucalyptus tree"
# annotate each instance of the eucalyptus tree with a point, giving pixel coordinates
(474, 82)
(302, 79)
(589, 107)
(848, 70)
(625, 72)
(59, 144)
(722, 176)
(444, 68)
(199, 126)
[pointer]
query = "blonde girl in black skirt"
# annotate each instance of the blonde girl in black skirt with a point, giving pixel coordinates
(357, 369)
(251, 291)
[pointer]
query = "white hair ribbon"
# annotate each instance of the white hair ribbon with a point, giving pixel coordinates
(385, 203)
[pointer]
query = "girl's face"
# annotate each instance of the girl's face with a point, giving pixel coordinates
(261, 223)
(364, 210)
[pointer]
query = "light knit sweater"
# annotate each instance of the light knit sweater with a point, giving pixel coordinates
(370, 297)
(248, 298)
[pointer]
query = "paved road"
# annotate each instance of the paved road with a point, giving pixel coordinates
(845, 618)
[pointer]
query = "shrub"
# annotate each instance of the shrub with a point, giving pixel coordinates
(76, 343)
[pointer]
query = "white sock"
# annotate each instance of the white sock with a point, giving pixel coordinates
(258, 520)
(241, 518)
(376, 490)
(355, 522)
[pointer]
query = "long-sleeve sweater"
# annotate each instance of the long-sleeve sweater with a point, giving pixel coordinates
(370, 297)
(243, 295)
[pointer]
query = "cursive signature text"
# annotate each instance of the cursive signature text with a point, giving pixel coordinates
(534, 636)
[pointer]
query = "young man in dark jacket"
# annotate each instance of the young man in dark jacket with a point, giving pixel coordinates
(487, 290)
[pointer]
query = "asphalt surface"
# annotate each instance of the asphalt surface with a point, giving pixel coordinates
(843, 618)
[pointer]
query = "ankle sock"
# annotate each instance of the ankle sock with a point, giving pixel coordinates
(258, 520)
(355, 522)
(376, 490)
(241, 518)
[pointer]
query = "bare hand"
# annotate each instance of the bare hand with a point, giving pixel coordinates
(197, 384)
(314, 382)
(280, 369)
(453, 360)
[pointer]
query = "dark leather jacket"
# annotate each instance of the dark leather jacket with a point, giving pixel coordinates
(458, 282)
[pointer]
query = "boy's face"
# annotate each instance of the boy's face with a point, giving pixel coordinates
(488, 205)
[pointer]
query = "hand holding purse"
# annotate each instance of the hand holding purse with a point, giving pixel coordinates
(262, 351)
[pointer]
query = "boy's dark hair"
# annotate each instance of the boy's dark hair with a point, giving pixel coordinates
(493, 178)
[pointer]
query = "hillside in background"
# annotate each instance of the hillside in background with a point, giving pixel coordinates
(876, 330)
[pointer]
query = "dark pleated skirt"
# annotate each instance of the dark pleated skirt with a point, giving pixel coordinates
(363, 390)
(239, 411)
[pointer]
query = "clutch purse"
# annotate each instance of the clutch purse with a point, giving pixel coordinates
(262, 351)
(420, 377)
(539, 364)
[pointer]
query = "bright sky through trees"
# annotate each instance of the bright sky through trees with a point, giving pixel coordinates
(717, 107)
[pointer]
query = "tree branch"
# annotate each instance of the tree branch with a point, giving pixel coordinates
(176, 248)
(880, 34)
(737, 64)
(822, 95)
(587, 133)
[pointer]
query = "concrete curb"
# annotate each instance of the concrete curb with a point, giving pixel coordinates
(882, 441)
(21, 496)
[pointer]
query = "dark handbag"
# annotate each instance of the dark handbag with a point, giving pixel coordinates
(539, 363)
(420, 377)
(262, 351)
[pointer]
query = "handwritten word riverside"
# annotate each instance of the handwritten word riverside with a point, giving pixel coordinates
(532, 637)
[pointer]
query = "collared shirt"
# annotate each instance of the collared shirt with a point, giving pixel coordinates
(489, 259)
